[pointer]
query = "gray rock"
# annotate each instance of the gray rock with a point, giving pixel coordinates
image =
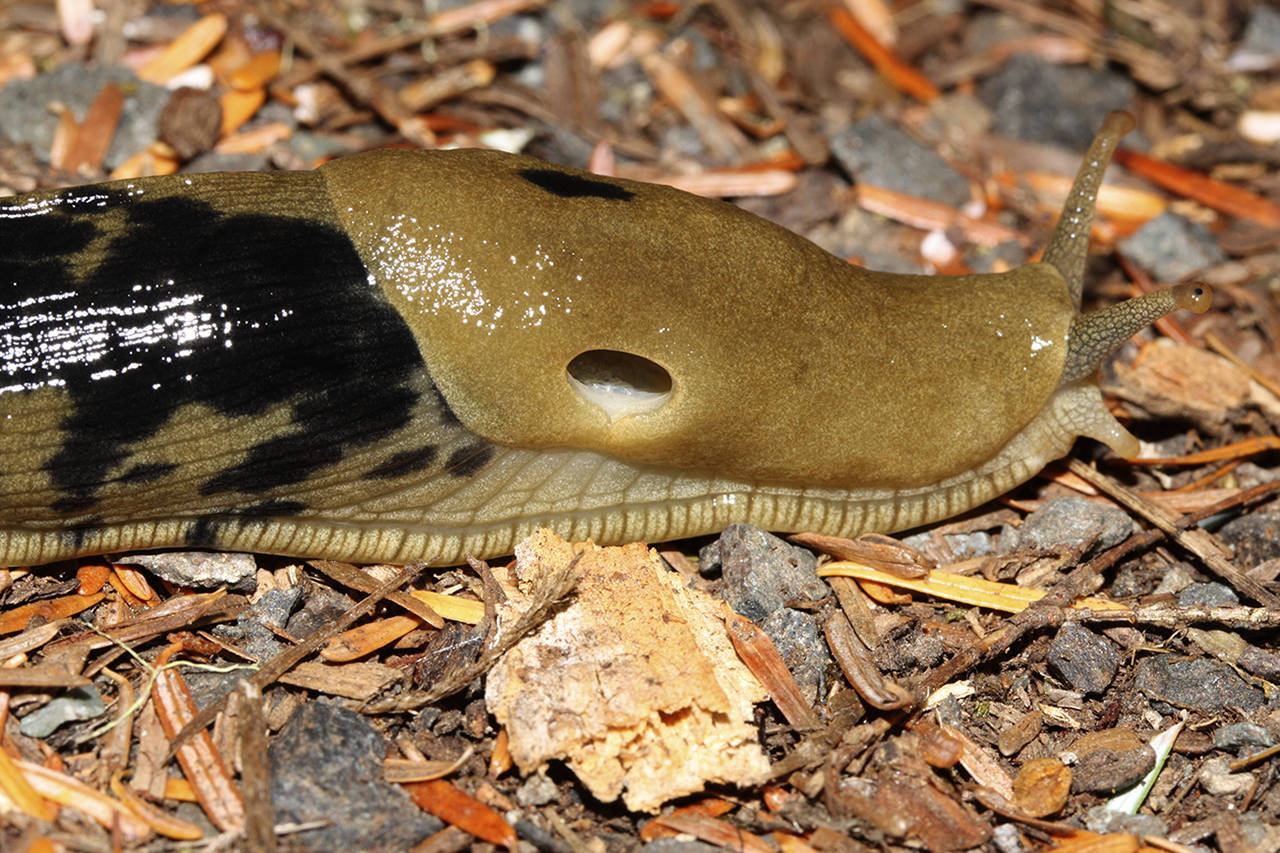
(1236, 735)
(1038, 101)
(1212, 594)
(28, 119)
(760, 572)
(878, 153)
(1255, 538)
(804, 651)
(537, 790)
(1199, 684)
(199, 569)
(1104, 820)
(1260, 662)
(326, 764)
(1073, 522)
(1172, 247)
(72, 705)
(1082, 659)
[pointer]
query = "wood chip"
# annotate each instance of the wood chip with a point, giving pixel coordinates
(201, 763)
(446, 801)
(361, 681)
(186, 50)
(655, 700)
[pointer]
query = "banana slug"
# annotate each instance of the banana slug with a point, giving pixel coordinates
(409, 354)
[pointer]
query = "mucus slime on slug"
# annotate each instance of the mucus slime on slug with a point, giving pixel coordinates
(409, 354)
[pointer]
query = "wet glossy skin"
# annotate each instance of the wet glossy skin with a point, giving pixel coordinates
(373, 362)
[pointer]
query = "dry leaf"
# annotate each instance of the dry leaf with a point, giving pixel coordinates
(635, 684)
(1184, 381)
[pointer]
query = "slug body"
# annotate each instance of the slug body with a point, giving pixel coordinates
(414, 354)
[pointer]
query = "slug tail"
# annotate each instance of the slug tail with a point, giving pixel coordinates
(1069, 245)
(1095, 336)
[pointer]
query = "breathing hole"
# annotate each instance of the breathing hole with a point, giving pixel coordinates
(619, 383)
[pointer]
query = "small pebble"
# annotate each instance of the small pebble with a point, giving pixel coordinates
(760, 572)
(876, 152)
(1216, 778)
(1255, 538)
(1083, 659)
(1175, 580)
(1171, 248)
(1212, 594)
(1105, 771)
(1236, 735)
(76, 703)
(1039, 101)
(796, 636)
(199, 569)
(1104, 820)
(1073, 522)
(1007, 839)
(537, 790)
(327, 766)
(1203, 685)
(1260, 662)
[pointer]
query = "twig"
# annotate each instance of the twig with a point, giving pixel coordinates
(1195, 540)
(287, 659)
(550, 596)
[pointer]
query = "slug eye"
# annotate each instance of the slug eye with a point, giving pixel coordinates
(619, 383)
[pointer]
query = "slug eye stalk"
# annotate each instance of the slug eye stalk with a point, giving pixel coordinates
(1095, 336)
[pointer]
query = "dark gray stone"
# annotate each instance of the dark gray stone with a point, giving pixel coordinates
(1104, 820)
(795, 635)
(28, 119)
(1072, 522)
(1038, 101)
(1172, 247)
(1236, 735)
(760, 572)
(73, 704)
(1254, 537)
(1212, 594)
(326, 764)
(1260, 662)
(323, 607)
(878, 153)
(251, 634)
(1082, 659)
(1199, 684)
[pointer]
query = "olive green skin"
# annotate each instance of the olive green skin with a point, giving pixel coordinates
(805, 393)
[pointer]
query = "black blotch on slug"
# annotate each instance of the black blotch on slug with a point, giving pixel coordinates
(407, 462)
(467, 460)
(574, 186)
(78, 535)
(147, 473)
(190, 306)
(274, 507)
(204, 531)
(72, 505)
